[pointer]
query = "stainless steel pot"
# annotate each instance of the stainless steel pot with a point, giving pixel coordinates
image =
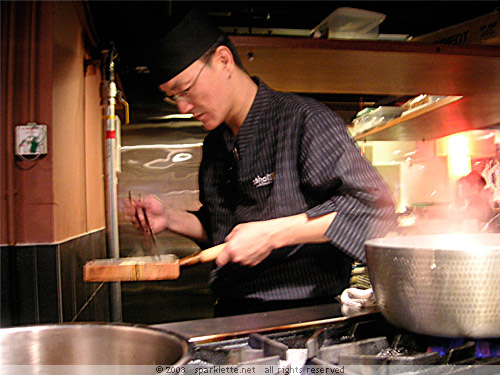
(442, 285)
(92, 344)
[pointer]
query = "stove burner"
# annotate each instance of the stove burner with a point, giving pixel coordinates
(487, 349)
(460, 351)
(365, 342)
(269, 347)
(374, 351)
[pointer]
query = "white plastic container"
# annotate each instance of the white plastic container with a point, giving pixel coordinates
(349, 23)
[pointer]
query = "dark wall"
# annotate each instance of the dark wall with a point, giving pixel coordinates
(44, 283)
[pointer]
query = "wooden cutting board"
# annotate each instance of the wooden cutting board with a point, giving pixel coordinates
(147, 268)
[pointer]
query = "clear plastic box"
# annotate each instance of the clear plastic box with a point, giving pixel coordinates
(349, 23)
(376, 117)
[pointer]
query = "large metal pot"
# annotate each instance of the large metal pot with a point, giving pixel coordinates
(443, 285)
(92, 344)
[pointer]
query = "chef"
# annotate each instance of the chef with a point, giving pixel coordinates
(475, 199)
(281, 182)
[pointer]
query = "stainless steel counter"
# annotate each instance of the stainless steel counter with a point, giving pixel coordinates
(206, 330)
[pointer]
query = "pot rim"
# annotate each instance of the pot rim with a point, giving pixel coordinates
(187, 346)
(445, 242)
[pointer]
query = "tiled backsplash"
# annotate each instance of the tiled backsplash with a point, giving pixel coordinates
(44, 283)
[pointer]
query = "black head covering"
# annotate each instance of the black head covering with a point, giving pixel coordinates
(184, 43)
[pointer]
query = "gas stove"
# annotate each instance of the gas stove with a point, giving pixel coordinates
(360, 344)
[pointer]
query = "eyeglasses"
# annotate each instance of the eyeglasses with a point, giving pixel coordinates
(184, 95)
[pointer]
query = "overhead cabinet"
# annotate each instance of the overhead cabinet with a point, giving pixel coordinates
(390, 68)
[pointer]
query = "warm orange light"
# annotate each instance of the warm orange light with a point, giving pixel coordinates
(459, 155)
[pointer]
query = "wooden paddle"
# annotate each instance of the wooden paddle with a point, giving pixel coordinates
(167, 267)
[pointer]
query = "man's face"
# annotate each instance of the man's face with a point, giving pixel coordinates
(199, 90)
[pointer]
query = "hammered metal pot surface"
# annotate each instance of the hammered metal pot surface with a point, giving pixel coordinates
(92, 344)
(442, 285)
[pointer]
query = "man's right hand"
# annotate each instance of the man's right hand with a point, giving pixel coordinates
(150, 205)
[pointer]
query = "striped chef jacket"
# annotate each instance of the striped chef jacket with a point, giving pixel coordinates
(292, 155)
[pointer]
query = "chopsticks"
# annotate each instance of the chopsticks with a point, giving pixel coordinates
(148, 233)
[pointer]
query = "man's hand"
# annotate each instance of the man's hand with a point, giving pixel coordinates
(150, 205)
(250, 243)
(161, 217)
(247, 244)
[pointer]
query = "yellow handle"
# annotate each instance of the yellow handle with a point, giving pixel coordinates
(204, 256)
(210, 254)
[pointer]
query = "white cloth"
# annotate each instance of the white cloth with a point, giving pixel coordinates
(355, 300)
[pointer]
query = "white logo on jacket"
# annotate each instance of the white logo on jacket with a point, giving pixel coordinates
(263, 181)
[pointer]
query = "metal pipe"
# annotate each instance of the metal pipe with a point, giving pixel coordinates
(108, 101)
(32, 62)
(11, 173)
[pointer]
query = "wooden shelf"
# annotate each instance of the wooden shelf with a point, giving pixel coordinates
(412, 115)
(389, 68)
